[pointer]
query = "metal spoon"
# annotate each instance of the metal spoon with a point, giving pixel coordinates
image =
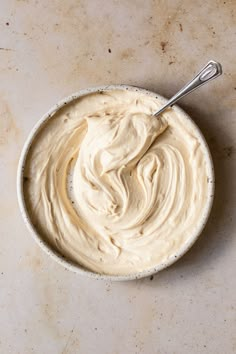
(211, 71)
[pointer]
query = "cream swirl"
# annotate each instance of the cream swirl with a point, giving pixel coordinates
(138, 186)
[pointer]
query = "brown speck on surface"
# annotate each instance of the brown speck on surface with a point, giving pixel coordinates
(109, 50)
(171, 62)
(163, 46)
(127, 53)
(7, 23)
(36, 263)
(151, 277)
(9, 132)
(6, 49)
(180, 27)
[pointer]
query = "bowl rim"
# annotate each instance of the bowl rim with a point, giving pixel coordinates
(70, 265)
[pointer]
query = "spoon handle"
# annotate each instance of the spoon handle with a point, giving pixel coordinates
(208, 73)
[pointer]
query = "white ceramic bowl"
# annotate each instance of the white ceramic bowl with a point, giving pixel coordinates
(61, 259)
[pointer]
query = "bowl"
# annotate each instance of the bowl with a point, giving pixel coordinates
(59, 257)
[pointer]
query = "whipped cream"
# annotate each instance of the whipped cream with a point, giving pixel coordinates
(113, 188)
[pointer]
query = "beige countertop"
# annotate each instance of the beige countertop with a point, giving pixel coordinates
(49, 49)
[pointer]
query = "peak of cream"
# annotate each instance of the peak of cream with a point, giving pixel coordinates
(138, 187)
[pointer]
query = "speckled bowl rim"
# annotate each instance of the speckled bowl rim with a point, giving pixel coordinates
(76, 268)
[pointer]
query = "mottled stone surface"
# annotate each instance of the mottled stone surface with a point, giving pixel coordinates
(49, 49)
